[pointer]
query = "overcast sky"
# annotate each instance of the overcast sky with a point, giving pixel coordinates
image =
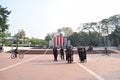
(39, 17)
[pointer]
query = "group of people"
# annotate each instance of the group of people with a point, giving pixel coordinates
(69, 54)
(55, 53)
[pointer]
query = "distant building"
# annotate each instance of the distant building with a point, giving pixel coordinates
(11, 38)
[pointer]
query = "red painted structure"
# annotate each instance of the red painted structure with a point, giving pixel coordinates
(55, 40)
(61, 40)
(58, 40)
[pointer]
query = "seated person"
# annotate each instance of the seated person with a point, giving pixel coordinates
(16, 51)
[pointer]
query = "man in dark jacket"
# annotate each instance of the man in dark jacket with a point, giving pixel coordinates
(16, 51)
(82, 54)
(69, 54)
(62, 53)
(55, 53)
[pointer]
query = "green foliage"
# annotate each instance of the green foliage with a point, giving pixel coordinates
(84, 39)
(20, 37)
(115, 36)
(21, 34)
(43, 42)
(34, 41)
(49, 36)
(3, 18)
(38, 42)
(112, 28)
(107, 28)
(4, 13)
(66, 31)
(75, 39)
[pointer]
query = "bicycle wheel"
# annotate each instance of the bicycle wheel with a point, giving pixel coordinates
(21, 55)
(12, 56)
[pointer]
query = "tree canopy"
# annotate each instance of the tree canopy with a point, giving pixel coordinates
(4, 14)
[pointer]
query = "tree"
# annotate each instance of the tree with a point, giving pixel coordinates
(115, 20)
(84, 38)
(43, 42)
(75, 39)
(6, 40)
(4, 13)
(115, 36)
(49, 36)
(20, 37)
(21, 34)
(104, 26)
(67, 31)
(91, 29)
(35, 41)
(109, 26)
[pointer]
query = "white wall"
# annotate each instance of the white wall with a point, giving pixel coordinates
(5, 49)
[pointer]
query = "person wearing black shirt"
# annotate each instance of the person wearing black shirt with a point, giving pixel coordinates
(62, 53)
(69, 53)
(16, 51)
(82, 54)
(55, 53)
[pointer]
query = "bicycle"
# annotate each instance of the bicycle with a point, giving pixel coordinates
(20, 55)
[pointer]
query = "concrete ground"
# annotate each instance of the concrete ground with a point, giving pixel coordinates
(42, 67)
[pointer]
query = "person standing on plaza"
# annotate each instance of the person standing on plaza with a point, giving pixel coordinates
(66, 52)
(81, 54)
(85, 56)
(1, 49)
(62, 53)
(55, 53)
(70, 54)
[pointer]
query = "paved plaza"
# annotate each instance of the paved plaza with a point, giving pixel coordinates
(42, 67)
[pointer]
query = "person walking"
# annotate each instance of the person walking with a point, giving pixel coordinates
(62, 53)
(55, 53)
(81, 54)
(84, 53)
(69, 54)
(1, 49)
(66, 53)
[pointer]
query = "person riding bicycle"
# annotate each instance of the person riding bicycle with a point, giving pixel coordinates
(16, 51)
